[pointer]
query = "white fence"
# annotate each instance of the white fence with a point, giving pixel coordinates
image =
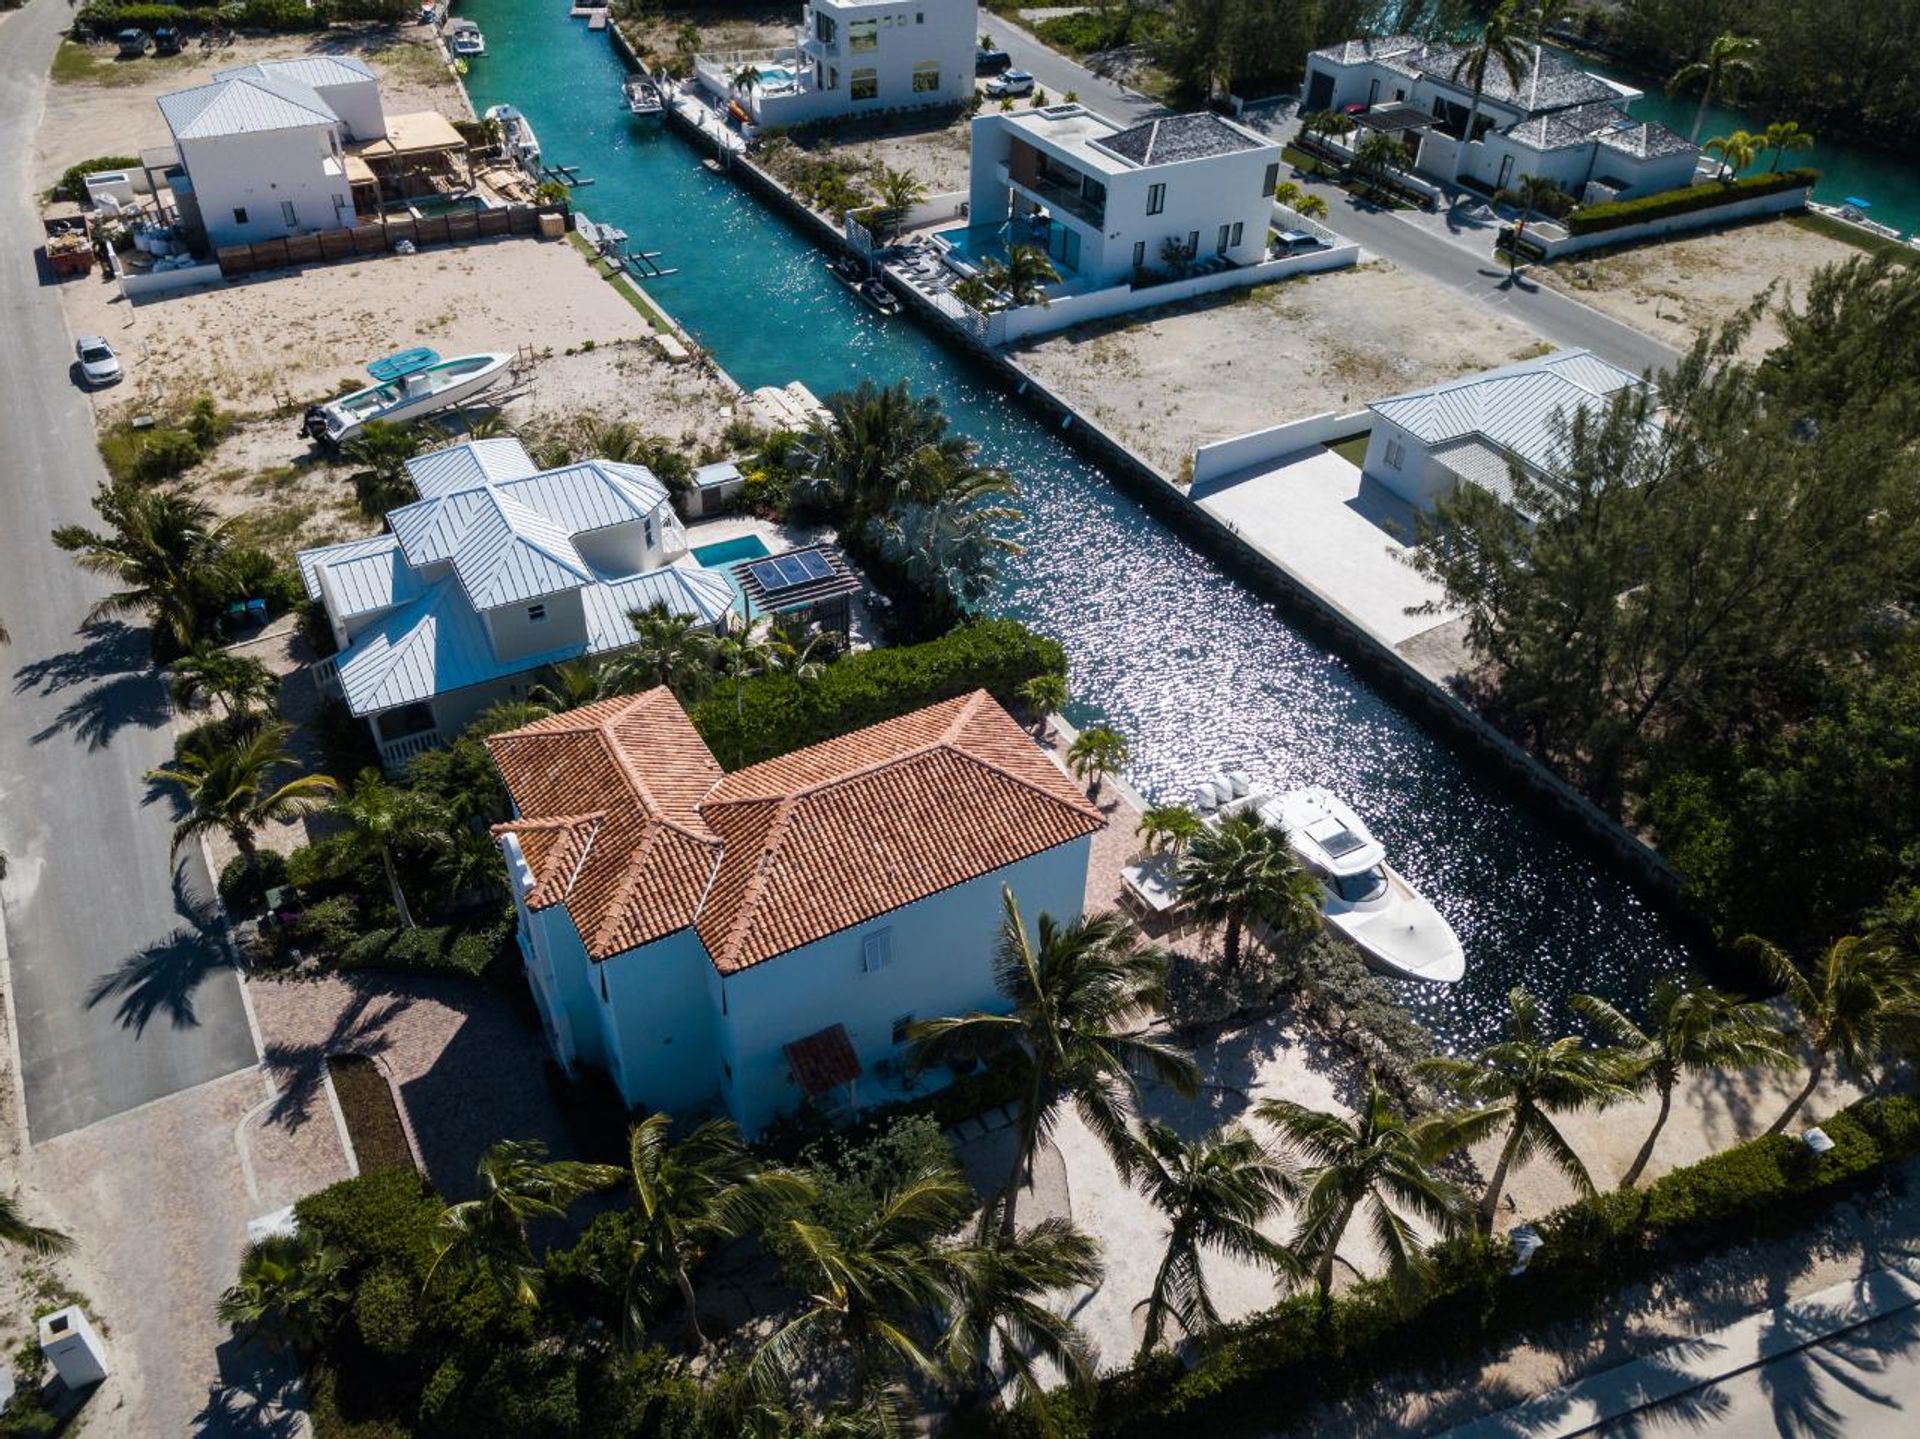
(164, 282)
(1260, 447)
(1557, 242)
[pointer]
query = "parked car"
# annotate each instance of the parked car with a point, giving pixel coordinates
(132, 43)
(991, 62)
(167, 40)
(98, 363)
(1014, 82)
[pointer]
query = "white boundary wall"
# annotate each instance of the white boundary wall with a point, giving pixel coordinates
(1259, 447)
(1557, 242)
(165, 282)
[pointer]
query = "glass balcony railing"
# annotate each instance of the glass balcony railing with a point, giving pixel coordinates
(1066, 195)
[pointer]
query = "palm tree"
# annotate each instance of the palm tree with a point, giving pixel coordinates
(1498, 45)
(1858, 993)
(877, 444)
(1524, 1081)
(1241, 870)
(1167, 829)
(899, 192)
(1001, 1285)
(1783, 136)
(1045, 695)
(381, 449)
(1299, 201)
(1378, 153)
(1531, 194)
(1686, 1031)
(208, 673)
(229, 786)
(1735, 152)
(672, 649)
(166, 551)
(1378, 1165)
(1215, 1192)
(1728, 57)
(1096, 752)
(518, 1184)
(1075, 995)
(382, 817)
(291, 1291)
(973, 292)
(1327, 124)
(741, 654)
(573, 683)
(17, 1229)
(951, 546)
(1024, 276)
(693, 1194)
(747, 79)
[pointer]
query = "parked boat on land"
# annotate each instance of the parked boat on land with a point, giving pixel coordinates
(409, 385)
(516, 135)
(643, 96)
(465, 41)
(876, 294)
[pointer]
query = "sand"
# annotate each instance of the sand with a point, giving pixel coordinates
(936, 154)
(1672, 289)
(1166, 380)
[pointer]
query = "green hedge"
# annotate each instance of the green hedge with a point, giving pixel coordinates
(1592, 1248)
(778, 713)
(1685, 201)
(72, 184)
(448, 948)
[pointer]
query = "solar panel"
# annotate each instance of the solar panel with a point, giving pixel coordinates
(815, 564)
(786, 572)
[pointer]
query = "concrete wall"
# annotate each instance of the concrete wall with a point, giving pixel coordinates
(357, 103)
(1262, 447)
(660, 1024)
(514, 635)
(165, 282)
(1557, 242)
(259, 174)
(557, 969)
(1419, 479)
(624, 549)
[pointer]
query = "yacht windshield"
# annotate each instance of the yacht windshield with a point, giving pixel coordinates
(1359, 888)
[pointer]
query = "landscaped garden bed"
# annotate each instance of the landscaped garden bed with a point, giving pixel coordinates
(372, 1117)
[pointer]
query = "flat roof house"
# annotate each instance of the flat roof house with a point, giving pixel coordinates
(1476, 430)
(1560, 122)
(766, 937)
(1106, 201)
(497, 571)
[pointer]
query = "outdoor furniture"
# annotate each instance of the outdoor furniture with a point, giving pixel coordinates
(1152, 883)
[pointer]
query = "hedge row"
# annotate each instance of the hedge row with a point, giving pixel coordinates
(1684, 201)
(1592, 1248)
(774, 714)
(105, 18)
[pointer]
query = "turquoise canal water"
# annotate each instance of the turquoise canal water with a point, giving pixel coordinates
(1200, 672)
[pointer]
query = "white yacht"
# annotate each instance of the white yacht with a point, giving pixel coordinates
(465, 40)
(409, 386)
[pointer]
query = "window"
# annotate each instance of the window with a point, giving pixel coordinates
(1238, 230)
(825, 27)
(1156, 199)
(536, 614)
(1225, 238)
(1139, 254)
(1396, 452)
(919, 17)
(1271, 180)
(287, 214)
(926, 76)
(876, 950)
(1193, 244)
(646, 530)
(900, 1028)
(863, 35)
(239, 216)
(866, 83)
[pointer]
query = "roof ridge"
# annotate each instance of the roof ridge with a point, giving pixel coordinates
(501, 501)
(615, 912)
(1079, 804)
(944, 740)
(623, 761)
(749, 906)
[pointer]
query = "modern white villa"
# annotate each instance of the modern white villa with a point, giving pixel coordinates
(1560, 122)
(766, 937)
(497, 571)
(291, 147)
(1476, 430)
(852, 58)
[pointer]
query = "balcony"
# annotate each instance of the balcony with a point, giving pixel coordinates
(1066, 196)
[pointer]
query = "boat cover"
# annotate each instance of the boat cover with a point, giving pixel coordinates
(407, 362)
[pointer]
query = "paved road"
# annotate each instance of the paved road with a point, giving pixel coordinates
(120, 997)
(1478, 277)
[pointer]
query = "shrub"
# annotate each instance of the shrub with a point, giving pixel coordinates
(243, 891)
(1685, 201)
(447, 948)
(329, 925)
(778, 713)
(72, 182)
(164, 453)
(389, 1217)
(386, 1312)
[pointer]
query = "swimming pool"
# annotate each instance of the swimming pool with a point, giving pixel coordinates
(982, 244)
(776, 77)
(727, 552)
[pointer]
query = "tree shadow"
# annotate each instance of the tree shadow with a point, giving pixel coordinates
(1796, 1386)
(115, 662)
(299, 1069)
(257, 1396)
(161, 977)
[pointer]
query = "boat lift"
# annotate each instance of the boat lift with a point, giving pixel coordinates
(610, 244)
(568, 175)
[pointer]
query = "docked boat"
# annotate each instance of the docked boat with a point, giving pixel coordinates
(516, 135)
(465, 41)
(408, 386)
(876, 294)
(643, 96)
(847, 270)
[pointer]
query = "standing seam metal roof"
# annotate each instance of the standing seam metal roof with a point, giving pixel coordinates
(311, 70)
(245, 105)
(473, 462)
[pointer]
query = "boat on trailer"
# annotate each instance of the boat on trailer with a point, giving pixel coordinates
(407, 386)
(516, 135)
(643, 96)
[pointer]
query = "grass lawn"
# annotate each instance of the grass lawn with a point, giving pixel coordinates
(626, 292)
(366, 1103)
(1852, 235)
(99, 65)
(1353, 449)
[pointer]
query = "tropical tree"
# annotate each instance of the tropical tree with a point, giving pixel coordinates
(797, 653)
(1498, 47)
(1215, 1192)
(1097, 752)
(1524, 1081)
(670, 649)
(1531, 195)
(1378, 1166)
(1168, 828)
(1782, 137)
(576, 682)
(746, 79)
(951, 546)
(1000, 1287)
(1241, 870)
(1735, 152)
(380, 818)
(1729, 57)
(1076, 994)
(381, 450)
(742, 653)
(1686, 1031)
(229, 785)
(1377, 155)
(168, 554)
(878, 446)
(1328, 123)
(1299, 201)
(18, 1230)
(899, 191)
(1045, 695)
(1857, 995)
(1025, 276)
(694, 1193)
(208, 673)
(973, 292)
(291, 1292)
(518, 1185)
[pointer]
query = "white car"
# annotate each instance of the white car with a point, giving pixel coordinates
(98, 363)
(1014, 82)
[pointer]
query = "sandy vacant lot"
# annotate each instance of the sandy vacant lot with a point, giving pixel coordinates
(1672, 289)
(1201, 371)
(937, 155)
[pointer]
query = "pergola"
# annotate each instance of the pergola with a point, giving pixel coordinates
(418, 150)
(816, 582)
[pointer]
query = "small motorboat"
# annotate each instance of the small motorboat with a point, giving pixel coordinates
(643, 96)
(407, 386)
(847, 270)
(516, 135)
(876, 294)
(465, 41)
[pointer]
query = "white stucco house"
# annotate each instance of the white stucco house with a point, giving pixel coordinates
(497, 571)
(1560, 122)
(852, 58)
(1106, 201)
(1476, 430)
(758, 939)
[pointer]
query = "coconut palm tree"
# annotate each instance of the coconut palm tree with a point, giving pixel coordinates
(1729, 57)
(691, 1194)
(1215, 1192)
(229, 786)
(380, 450)
(1096, 752)
(1241, 870)
(1045, 695)
(874, 445)
(746, 80)
(1167, 829)
(1379, 153)
(742, 653)
(1855, 997)
(950, 547)
(671, 649)
(1378, 1166)
(208, 673)
(1782, 137)
(167, 552)
(518, 1185)
(576, 682)
(1076, 994)
(18, 1230)
(899, 191)
(1025, 276)
(1686, 1031)
(1735, 152)
(1497, 47)
(380, 818)
(797, 653)
(292, 1291)
(1531, 195)
(1001, 1286)
(1298, 200)
(973, 292)
(1525, 1080)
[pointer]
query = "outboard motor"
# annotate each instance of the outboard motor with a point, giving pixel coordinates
(314, 425)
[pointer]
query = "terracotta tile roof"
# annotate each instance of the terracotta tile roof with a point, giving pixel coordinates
(625, 816)
(823, 1061)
